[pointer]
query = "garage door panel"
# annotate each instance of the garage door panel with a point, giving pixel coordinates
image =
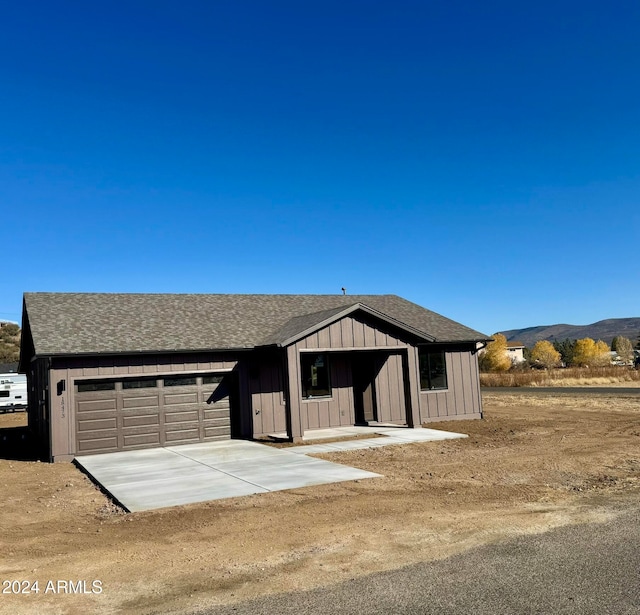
(93, 415)
(222, 432)
(136, 420)
(150, 401)
(180, 417)
(216, 413)
(142, 429)
(180, 398)
(98, 445)
(91, 405)
(141, 440)
(183, 435)
(97, 424)
(126, 418)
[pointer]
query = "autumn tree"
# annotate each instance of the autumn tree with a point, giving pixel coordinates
(495, 357)
(624, 348)
(591, 354)
(543, 353)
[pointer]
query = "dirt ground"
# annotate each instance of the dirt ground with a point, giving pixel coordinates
(532, 464)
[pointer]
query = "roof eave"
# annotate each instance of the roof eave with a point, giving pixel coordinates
(115, 353)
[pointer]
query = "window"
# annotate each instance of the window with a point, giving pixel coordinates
(4, 393)
(433, 369)
(141, 383)
(212, 379)
(179, 381)
(315, 375)
(96, 385)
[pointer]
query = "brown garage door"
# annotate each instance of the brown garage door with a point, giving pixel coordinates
(151, 411)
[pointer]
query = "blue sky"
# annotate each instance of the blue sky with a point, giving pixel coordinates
(479, 158)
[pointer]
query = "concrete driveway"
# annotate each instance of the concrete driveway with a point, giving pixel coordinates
(160, 477)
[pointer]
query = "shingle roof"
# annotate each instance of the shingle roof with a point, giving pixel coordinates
(74, 323)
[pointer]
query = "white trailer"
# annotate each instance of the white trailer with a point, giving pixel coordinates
(13, 392)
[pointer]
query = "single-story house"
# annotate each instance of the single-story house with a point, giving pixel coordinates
(113, 372)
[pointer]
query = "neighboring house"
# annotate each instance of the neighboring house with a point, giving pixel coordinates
(515, 352)
(112, 372)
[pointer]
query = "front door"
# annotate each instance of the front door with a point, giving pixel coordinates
(364, 389)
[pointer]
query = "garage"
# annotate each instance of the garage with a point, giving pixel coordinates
(150, 411)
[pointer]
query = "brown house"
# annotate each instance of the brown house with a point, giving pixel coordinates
(112, 372)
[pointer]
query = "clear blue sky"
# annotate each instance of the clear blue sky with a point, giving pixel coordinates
(479, 158)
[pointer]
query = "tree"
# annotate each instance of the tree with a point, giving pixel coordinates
(603, 354)
(591, 354)
(566, 348)
(9, 343)
(495, 357)
(545, 354)
(624, 348)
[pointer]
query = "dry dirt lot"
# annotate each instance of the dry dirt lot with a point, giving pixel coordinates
(532, 464)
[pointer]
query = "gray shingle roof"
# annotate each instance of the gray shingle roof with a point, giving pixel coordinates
(73, 323)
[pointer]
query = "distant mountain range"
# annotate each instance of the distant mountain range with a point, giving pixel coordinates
(604, 330)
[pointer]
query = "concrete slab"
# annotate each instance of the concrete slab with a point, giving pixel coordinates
(157, 478)
(177, 475)
(389, 437)
(421, 435)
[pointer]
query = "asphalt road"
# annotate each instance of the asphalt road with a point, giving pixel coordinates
(618, 391)
(591, 569)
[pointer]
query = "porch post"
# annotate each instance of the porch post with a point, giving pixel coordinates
(413, 388)
(293, 395)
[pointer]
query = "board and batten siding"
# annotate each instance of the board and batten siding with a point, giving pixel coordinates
(343, 339)
(337, 410)
(267, 398)
(390, 391)
(461, 400)
(351, 333)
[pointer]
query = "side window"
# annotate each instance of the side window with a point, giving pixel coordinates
(433, 369)
(315, 375)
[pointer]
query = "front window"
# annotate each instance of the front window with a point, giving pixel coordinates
(433, 369)
(315, 375)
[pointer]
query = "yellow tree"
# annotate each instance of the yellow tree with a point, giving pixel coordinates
(545, 354)
(603, 356)
(495, 357)
(584, 352)
(590, 353)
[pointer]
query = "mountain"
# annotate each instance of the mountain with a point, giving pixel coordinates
(604, 330)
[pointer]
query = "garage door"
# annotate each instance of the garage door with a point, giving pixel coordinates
(144, 412)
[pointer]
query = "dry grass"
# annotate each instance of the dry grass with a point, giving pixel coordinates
(569, 377)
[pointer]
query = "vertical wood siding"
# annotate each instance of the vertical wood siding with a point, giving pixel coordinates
(267, 399)
(335, 410)
(350, 333)
(462, 398)
(390, 395)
